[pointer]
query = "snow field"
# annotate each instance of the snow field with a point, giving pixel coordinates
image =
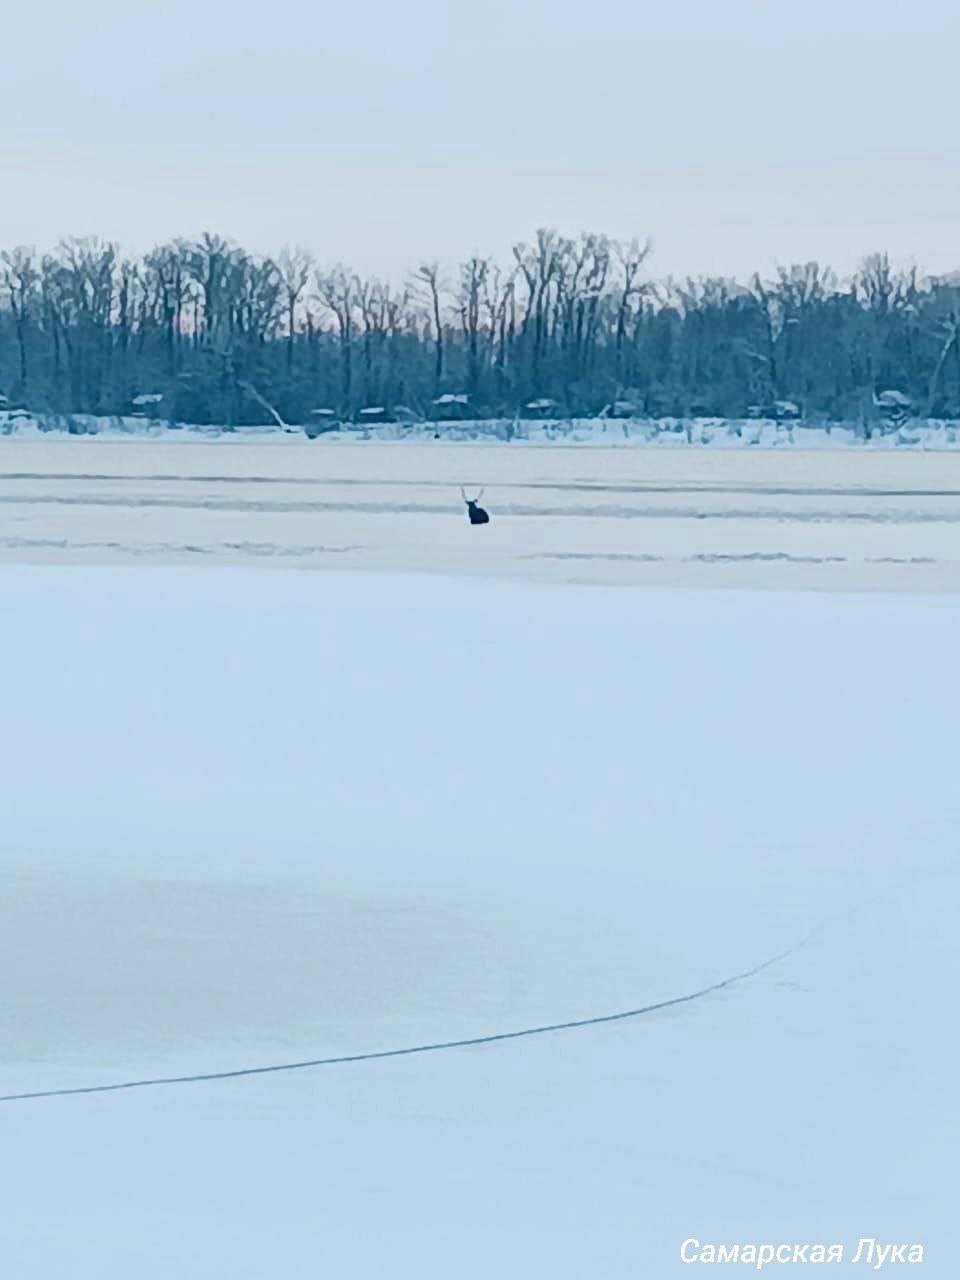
(250, 818)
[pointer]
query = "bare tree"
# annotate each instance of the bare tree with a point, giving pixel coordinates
(295, 267)
(630, 258)
(473, 274)
(336, 291)
(947, 333)
(427, 276)
(20, 277)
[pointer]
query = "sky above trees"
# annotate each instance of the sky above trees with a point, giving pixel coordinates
(737, 135)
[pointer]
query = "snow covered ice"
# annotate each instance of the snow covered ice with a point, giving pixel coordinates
(253, 816)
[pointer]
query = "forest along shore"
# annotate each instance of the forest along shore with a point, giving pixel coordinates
(824, 520)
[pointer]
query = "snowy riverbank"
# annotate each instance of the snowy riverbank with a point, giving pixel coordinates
(713, 433)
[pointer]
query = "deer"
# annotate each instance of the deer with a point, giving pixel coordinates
(475, 513)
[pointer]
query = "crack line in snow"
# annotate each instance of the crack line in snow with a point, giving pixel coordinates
(436, 1047)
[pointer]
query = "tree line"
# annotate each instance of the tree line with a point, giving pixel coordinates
(203, 331)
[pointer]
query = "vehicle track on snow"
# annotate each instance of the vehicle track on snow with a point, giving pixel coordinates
(307, 507)
(561, 486)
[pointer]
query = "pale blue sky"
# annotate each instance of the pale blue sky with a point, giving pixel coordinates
(735, 133)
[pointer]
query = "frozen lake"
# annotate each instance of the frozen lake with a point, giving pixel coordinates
(249, 818)
(836, 520)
